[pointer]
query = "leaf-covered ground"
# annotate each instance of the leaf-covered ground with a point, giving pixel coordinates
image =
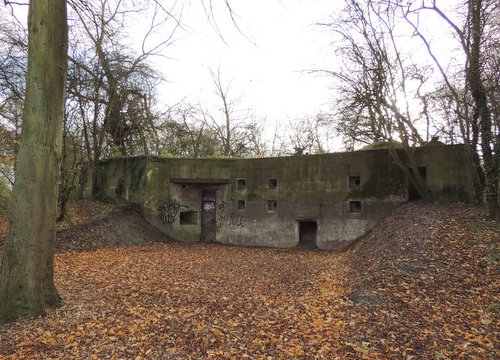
(80, 214)
(423, 284)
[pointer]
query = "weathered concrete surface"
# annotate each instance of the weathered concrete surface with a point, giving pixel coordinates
(260, 202)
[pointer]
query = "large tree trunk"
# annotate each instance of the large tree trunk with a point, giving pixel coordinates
(95, 174)
(26, 275)
(479, 94)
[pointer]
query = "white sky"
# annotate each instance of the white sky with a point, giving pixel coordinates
(264, 57)
(265, 63)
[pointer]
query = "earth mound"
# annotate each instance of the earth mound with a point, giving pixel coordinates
(93, 225)
(120, 228)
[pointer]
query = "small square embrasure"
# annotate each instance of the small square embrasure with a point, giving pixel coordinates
(355, 206)
(272, 183)
(354, 182)
(188, 217)
(241, 204)
(241, 184)
(272, 205)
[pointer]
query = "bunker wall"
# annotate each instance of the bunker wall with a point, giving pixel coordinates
(270, 201)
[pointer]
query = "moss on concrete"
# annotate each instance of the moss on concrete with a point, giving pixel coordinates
(312, 186)
(377, 145)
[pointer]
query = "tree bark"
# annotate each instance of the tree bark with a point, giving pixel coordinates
(471, 147)
(479, 94)
(410, 168)
(26, 275)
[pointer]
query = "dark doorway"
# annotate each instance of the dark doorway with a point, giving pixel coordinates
(208, 215)
(307, 233)
(413, 194)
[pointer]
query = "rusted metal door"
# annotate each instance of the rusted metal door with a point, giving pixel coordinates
(208, 215)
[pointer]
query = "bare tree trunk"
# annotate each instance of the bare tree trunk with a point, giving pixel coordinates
(411, 171)
(227, 148)
(26, 275)
(471, 146)
(480, 96)
(61, 198)
(95, 176)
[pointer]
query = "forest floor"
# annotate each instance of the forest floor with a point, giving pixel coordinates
(423, 284)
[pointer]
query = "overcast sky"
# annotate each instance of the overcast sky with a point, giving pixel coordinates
(265, 62)
(265, 55)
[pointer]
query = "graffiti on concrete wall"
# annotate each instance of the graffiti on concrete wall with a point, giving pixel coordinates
(208, 212)
(229, 217)
(168, 210)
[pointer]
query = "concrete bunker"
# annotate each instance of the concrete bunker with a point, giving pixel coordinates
(326, 200)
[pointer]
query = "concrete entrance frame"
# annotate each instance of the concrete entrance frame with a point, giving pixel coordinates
(308, 232)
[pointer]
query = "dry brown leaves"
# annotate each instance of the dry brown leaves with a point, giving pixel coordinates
(79, 213)
(424, 284)
(85, 211)
(182, 301)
